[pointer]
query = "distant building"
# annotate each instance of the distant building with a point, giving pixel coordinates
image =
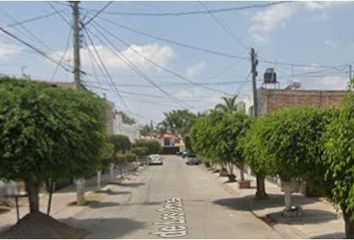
(270, 100)
(119, 127)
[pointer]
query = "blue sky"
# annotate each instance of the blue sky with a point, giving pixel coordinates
(296, 39)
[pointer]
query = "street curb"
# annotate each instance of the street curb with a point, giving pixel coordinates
(283, 230)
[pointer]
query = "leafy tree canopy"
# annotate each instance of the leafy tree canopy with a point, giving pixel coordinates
(48, 132)
(121, 143)
(152, 146)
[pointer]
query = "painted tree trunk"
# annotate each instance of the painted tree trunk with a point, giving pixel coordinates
(80, 191)
(242, 172)
(33, 192)
(99, 174)
(260, 193)
(349, 224)
(287, 196)
(111, 172)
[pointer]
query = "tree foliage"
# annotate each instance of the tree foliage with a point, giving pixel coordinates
(229, 105)
(121, 143)
(286, 143)
(177, 122)
(152, 146)
(217, 136)
(48, 133)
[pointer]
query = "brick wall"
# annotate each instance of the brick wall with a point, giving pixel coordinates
(270, 100)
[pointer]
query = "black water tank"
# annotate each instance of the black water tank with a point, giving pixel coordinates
(270, 76)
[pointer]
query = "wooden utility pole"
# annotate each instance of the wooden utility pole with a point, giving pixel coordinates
(76, 42)
(260, 193)
(80, 182)
(254, 63)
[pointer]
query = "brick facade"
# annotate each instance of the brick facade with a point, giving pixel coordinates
(270, 100)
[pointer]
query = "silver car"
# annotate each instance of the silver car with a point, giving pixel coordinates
(193, 160)
(155, 159)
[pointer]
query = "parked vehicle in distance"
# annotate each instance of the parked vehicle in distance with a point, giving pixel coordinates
(184, 154)
(155, 159)
(192, 159)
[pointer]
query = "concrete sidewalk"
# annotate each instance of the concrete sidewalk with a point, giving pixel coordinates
(63, 200)
(319, 219)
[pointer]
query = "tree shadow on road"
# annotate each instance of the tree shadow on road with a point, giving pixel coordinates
(248, 202)
(110, 192)
(127, 184)
(337, 235)
(106, 227)
(98, 204)
(308, 216)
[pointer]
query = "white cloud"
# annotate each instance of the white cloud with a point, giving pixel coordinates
(333, 83)
(195, 70)
(266, 21)
(161, 55)
(330, 43)
(315, 5)
(7, 50)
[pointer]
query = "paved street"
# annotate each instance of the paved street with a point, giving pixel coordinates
(129, 210)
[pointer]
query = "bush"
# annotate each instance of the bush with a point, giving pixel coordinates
(152, 146)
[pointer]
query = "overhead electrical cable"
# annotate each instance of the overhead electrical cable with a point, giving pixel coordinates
(132, 66)
(59, 14)
(225, 27)
(98, 13)
(106, 71)
(156, 64)
(213, 52)
(30, 20)
(194, 12)
(40, 52)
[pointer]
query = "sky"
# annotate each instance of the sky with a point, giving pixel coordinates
(306, 42)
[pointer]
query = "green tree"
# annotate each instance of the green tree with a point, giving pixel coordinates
(339, 161)
(229, 105)
(48, 133)
(178, 122)
(152, 146)
(217, 136)
(287, 144)
(121, 143)
(141, 152)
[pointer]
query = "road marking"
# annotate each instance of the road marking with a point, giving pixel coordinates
(172, 217)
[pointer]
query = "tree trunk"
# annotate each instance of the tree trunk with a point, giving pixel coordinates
(80, 191)
(33, 191)
(349, 223)
(242, 172)
(99, 173)
(287, 196)
(260, 193)
(51, 190)
(111, 172)
(231, 169)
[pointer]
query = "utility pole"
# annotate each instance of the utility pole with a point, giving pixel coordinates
(80, 182)
(254, 63)
(76, 42)
(260, 193)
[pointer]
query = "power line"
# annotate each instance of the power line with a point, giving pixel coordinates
(30, 20)
(98, 13)
(137, 70)
(40, 52)
(59, 14)
(224, 26)
(196, 12)
(106, 71)
(63, 56)
(158, 65)
(213, 52)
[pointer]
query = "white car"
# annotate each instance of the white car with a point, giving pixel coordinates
(155, 159)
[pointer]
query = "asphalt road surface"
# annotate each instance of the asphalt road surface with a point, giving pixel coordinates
(174, 200)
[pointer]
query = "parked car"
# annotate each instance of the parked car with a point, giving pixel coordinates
(155, 159)
(193, 160)
(184, 154)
